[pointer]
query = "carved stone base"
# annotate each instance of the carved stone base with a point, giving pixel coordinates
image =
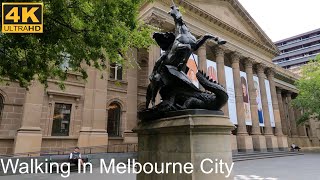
(244, 143)
(283, 143)
(272, 143)
(259, 143)
(28, 140)
(187, 138)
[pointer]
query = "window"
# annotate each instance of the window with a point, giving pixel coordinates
(66, 61)
(116, 71)
(61, 119)
(114, 116)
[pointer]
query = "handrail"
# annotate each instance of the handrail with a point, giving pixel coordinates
(128, 147)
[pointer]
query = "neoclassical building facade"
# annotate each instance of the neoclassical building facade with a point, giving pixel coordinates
(99, 111)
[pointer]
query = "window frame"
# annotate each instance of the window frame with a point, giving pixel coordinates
(70, 130)
(118, 132)
(114, 67)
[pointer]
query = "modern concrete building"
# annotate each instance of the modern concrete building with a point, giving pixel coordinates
(298, 50)
(104, 111)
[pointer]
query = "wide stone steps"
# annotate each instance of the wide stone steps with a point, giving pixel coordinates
(262, 155)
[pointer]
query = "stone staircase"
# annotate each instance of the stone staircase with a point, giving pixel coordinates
(262, 155)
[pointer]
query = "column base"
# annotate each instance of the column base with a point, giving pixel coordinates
(272, 143)
(130, 137)
(28, 139)
(92, 137)
(234, 144)
(259, 143)
(283, 143)
(244, 143)
(185, 139)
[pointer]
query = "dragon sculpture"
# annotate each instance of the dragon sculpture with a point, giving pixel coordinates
(169, 77)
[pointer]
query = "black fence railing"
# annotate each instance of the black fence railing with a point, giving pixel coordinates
(112, 148)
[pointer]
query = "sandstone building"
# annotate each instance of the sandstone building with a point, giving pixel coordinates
(104, 111)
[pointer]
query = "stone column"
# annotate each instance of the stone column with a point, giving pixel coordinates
(93, 131)
(202, 54)
(264, 100)
(219, 52)
(132, 103)
(282, 140)
(282, 112)
(243, 139)
(292, 119)
(29, 135)
(275, 105)
(271, 140)
(259, 142)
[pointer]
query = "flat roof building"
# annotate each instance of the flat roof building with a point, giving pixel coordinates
(298, 50)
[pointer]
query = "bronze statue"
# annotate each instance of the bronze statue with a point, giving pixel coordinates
(169, 74)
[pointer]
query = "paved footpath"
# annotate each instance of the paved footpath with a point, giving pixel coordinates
(304, 167)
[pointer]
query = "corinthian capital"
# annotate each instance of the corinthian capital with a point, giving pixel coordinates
(219, 51)
(270, 72)
(235, 57)
(260, 68)
(249, 62)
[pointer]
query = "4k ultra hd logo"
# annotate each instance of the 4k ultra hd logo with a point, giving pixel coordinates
(22, 17)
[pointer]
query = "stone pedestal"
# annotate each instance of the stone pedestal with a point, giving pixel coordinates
(244, 142)
(234, 144)
(272, 143)
(259, 143)
(183, 139)
(28, 140)
(282, 143)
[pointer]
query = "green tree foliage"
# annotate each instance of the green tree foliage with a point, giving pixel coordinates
(78, 31)
(308, 98)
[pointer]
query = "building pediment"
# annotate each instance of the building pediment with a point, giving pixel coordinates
(232, 13)
(230, 16)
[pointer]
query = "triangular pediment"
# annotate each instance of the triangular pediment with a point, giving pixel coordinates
(233, 13)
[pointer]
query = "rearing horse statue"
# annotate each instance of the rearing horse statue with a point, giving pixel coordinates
(169, 73)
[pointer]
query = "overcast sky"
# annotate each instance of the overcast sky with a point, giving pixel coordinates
(281, 19)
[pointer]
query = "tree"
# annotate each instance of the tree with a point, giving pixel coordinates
(76, 32)
(308, 98)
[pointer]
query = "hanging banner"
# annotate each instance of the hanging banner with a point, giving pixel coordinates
(258, 99)
(232, 99)
(245, 95)
(212, 70)
(270, 103)
(192, 64)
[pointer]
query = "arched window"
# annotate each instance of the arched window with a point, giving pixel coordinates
(114, 116)
(1, 106)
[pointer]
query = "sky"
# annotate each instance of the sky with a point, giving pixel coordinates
(281, 19)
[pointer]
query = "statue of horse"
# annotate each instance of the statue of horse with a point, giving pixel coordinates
(171, 67)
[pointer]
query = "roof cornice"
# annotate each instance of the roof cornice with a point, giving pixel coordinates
(268, 45)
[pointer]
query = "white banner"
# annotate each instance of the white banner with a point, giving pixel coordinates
(270, 103)
(246, 99)
(258, 99)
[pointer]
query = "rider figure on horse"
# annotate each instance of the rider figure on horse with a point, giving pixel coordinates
(177, 49)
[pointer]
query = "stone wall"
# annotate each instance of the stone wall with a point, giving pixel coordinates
(10, 121)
